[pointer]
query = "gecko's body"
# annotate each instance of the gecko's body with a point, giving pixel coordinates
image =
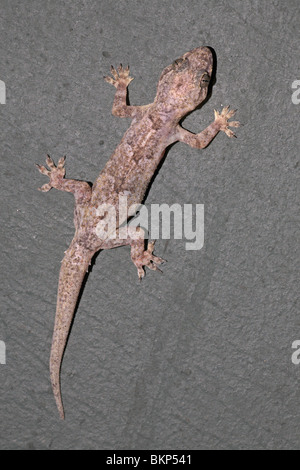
(182, 87)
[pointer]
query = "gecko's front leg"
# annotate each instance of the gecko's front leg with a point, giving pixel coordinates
(120, 80)
(201, 140)
(81, 189)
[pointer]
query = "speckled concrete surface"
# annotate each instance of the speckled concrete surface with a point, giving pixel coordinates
(200, 357)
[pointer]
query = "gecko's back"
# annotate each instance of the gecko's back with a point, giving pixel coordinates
(132, 165)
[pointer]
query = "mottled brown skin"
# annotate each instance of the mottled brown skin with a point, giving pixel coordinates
(182, 87)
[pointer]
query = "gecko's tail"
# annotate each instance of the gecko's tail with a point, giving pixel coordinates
(73, 269)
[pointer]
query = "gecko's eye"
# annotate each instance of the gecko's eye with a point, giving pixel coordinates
(177, 62)
(180, 64)
(204, 80)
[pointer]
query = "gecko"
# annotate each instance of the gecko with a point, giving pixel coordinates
(182, 87)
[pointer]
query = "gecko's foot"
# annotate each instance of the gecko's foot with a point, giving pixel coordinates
(148, 259)
(121, 77)
(55, 173)
(222, 119)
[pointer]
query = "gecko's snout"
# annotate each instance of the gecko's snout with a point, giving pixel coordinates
(201, 58)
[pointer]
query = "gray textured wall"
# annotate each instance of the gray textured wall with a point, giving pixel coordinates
(196, 358)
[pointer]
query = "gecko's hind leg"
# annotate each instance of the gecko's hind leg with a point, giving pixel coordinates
(135, 237)
(140, 256)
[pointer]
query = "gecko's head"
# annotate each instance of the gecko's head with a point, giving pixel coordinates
(183, 85)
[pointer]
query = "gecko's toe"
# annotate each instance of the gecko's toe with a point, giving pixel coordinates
(113, 72)
(61, 163)
(45, 188)
(50, 162)
(110, 80)
(141, 272)
(235, 123)
(42, 169)
(229, 133)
